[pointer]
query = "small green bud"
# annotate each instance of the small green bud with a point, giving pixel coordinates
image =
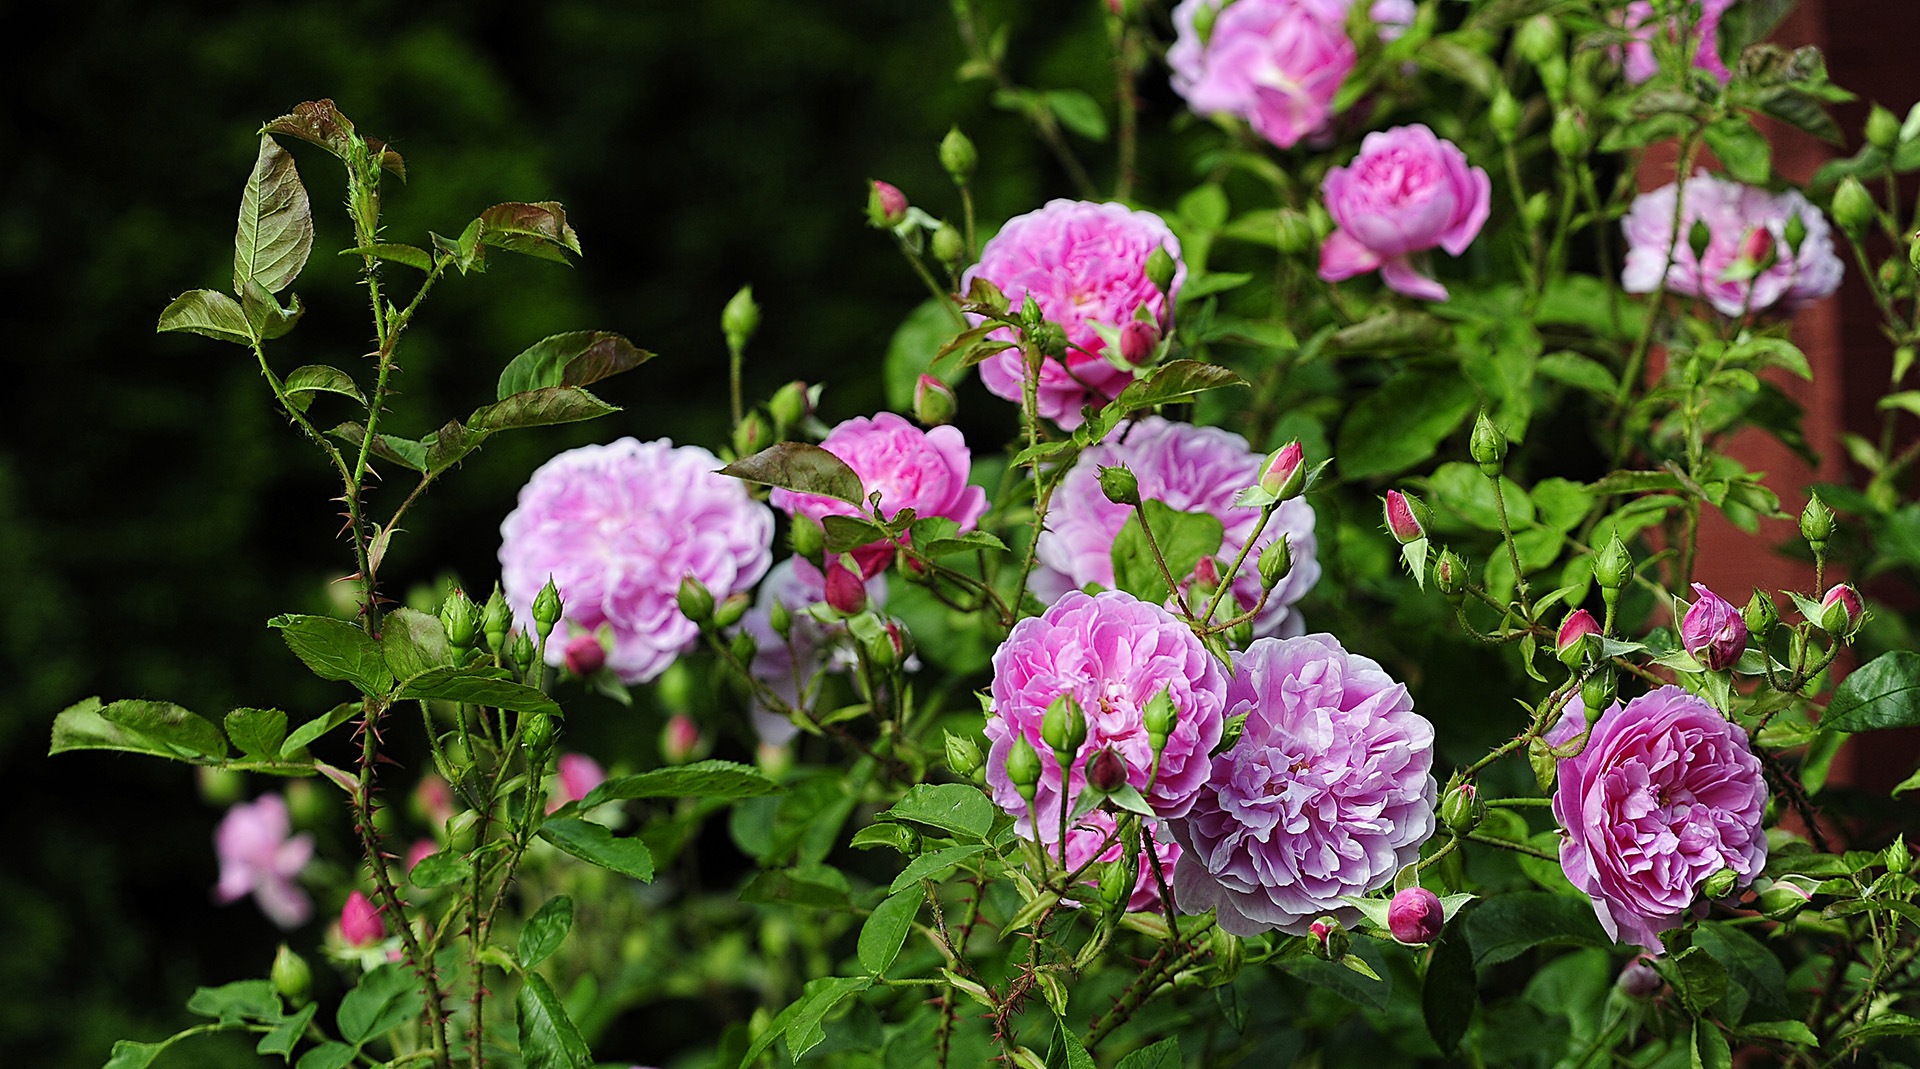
(933, 401)
(1504, 116)
(1614, 566)
(1534, 211)
(1330, 939)
(1160, 269)
(1538, 39)
(1816, 523)
(743, 646)
(1050, 340)
(948, 246)
(291, 975)
(1462, 809)
(1883, 129)
(1760, 616)
(958, 156)
(1064, 727)
(729, 612)
(1553, 77)
(1698, 238)
(963, 755)
(461, 618)
(1450, 575)
(1852, 207)
(1896, 857)
(495, 620)
(806, 538)
(1120, 486)
(880, 650)
(1275, 562)
(1158, 718)
(751, 435)
(696, 601)
(1488, 445)
(547, 609)
(538, 734)
(1720, 884)
(790, 404)
(1795, 232)
(739, 319)
(520, 647)
(1203, 20)
(780, 619)
(1117, 878)
(1597, 693)
(1023, 765)
(1293, 231)
(1569, 134)
(1781, 901)
(1893, 274)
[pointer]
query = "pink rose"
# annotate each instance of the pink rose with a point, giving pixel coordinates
(258, 856)
(360, 923)
(1408, 191)
(1731, 212)
(1096, 832)
(1638, 62)
(1275, 63)
(1713, 631)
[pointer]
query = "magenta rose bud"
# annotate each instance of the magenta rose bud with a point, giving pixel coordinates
(1713, 631)
(1107, 772)
(1277, 64)
(886, 205)
(1113, 655)
(1188, 469)
(1327, 793)
(1729, 213)
(1096, 830)
(617, 527)
(908, 467)
(933, 401)
(1841, 611)
(1573, 632)
(259, 857)
(1415, 917)
(1283, 474)
(1138, 340)
(1640, 979)
(433, 798)
(846, 591)
(1665, 794)
(1639, 63)
(679, 739)
(360, 923)
(1401, 522)
(1085, 265)
(1406, 192)
(584, 655)
(1757, 247)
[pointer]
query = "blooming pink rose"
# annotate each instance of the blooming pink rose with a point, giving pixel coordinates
(908, 467)
(360, 923)
(1665, 794)
(1713, 630)
(1114, 653)
(1731, 212)
(1408, 191)
(1639, 62)
(1327, 793)
(1095, 831)
(1083, 264)
(617, 527)
(1188, 469)
(1275, 63)
(258, 856)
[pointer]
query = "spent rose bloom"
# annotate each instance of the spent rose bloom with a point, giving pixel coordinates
(1095, 830)
(1406, 192)
(1730, 211)
(1638, 62)
(1327, 793)
(908, 467)
(1084, 264)
(1188, 469)
(1665, 794)
(1275, 63)
(788, 665)
(1113, 653)
(1713, 630)
(259, 856)
(617, 527)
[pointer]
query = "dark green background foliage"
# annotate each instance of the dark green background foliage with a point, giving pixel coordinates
(154, 513)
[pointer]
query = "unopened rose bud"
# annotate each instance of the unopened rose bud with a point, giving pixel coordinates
(1330, 939)
(1893, 274)
(1896, 857)
(1640, 980)
(1206, 574)
(679, 739)
(739, 319)
(538, 734)
(520, 647)
(730, 610)
(1116, 884)
(1415, 917)
(1064, 727)
(1139, 339)
(1534, 211)
(1119, 485)
(933, 402)
(1757, 248)
(1504, 116)
(846, 593)
(1614, 566)
(1699, 236)
(1023, 765)
(1781, 901)
(547, 609)
(806, 538)
(1760, 615)
(886, 205)
(1107, 771)
(1852, 207)
(360, 923)
(1450, 575)
(1720, 884)
(1293, 231)
(1883, 129)
(1050, 340)
(1796, 232)
(1570, 644)
(584, 655)
(1158, 718)
(780, 619)
(1841, 612)
(1283, 474)
(1462, 809)
(292, 976)
(1553, 77)
(948, 246)
(1275, 562)
(1597, 693)
(958, 156)
(461, 619)
(1401, 521)
(1538, 38)
(1160, 269)
(883, 647)
(751, 435)
(695, 600)
(1713, 631)
(1816, 523)
(1488, 445)
(495, 620)
(1569, 134)
(790, 404)
(963, 754)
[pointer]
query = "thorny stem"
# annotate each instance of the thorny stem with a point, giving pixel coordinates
(1172, 956)
(1227, 579)
(1179, 596)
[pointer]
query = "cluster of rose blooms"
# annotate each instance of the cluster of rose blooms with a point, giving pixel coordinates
(1327, 792)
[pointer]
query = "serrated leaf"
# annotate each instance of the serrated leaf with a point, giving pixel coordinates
(413, 642)
(303, 736)
(1183, 537)
(539, 229)
(241, 1000)
(1506, 926)
(548, 1038)
(174, 731)
(702, 779)
(1174, 381)
(1703, 980)
(439, 870)
(802, 468)
(1162, 1055)
(81, 727)
(539, 408)
(336, 650)
(128, 1054)
(1883, 693)
(580, 358)
(932, 866)
(593, 842)
(328, 1055)
(275, 234)
(265, 318)
(408, 454)
(884, 932)
(319, 378)
(320, 123)
(257, 732)
(206, 312)
(287, 1034)
(959, 808)
(1709, 1049)
(477, 685)
(817, 886)
(545, 931)
(386, 998)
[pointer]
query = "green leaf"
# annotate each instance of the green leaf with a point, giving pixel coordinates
(404, 452)
(1162, 1055)
(886, 929)
(287, 1034)
(1393, 332)
(1402, 422)
(911, 351)
(328, 1055)
(702, 779)
(1781, 1031)
(439, 870)
(1751, 967)
(173, 731)
(593, 842)
(1741, 148)
(1582, 372)
(1883, 693)
(1631, 482)
(1067, 1050)
(804, 1030)
(1462, 488)
(802, 468)
(818, 886)
(408, 255)
(1173, 381)
(1887, 1024)
(303, 736)
(959, 808)
(1703, 980)
(1461, 62)
(538, 408)
(337, 650)
(1709, 1048)
(1077, 111)
(1183, 537)
(275, 235)
(1506, 926)
(932, 866)
(477, 685)
(1448, 994)
(386, 998)
(207, 312)
(539, 229)
(548, 1038)
(545, 931)
(257, 732)
(413, 642)
(242, 1000)
(265, 318)
(128, 1054)
(580, 358)
(319, 378)
(849, 532)
(1343, 981)
(81, 727)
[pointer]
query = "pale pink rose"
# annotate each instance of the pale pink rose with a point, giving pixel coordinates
(1275, 63)
(1731, 212)
(1405, 193)
(579, 775)
(259, 857)
(1639, 63)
